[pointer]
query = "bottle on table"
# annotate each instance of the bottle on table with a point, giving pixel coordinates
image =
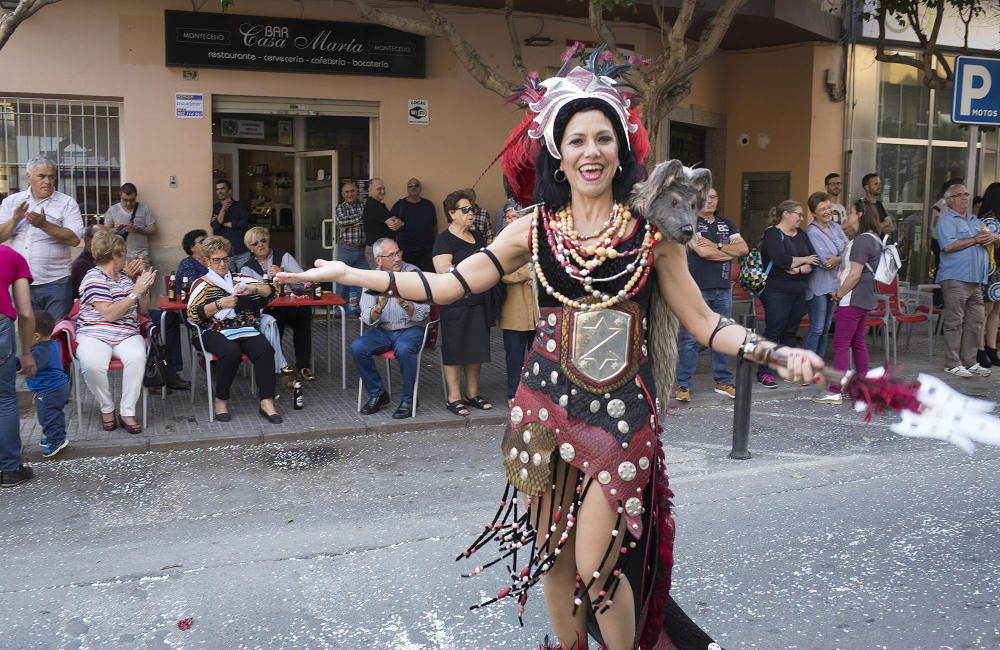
(172, 288)
(298, 400)
(185, 285)
(318, 291)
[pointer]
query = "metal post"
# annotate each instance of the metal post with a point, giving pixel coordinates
(744, 392)
(970, 165)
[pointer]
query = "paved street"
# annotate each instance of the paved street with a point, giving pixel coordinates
(835, 535)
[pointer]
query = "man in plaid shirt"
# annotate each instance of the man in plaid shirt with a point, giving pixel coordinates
(483, 221)
(350, 240)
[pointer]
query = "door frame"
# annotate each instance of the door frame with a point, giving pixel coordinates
(299, 229)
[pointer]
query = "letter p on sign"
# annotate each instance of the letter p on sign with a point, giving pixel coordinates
(976, 84)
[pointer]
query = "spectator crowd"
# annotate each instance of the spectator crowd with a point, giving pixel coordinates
(100, 303)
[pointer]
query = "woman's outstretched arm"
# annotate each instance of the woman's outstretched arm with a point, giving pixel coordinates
(510, 248)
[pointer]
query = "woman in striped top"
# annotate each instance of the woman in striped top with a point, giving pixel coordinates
(108, 326)
(227, 309)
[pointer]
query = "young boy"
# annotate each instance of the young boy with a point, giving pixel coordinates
(50, 385)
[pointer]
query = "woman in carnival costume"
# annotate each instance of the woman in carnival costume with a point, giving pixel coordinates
(587, 505)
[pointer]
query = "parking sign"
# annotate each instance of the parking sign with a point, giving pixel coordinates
(976, 95)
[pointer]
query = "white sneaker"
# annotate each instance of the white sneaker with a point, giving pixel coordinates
(977, 369)
(959, 371)
(829, 398)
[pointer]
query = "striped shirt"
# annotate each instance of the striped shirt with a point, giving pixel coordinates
(350, 229)
(98, 286)
(393, 316)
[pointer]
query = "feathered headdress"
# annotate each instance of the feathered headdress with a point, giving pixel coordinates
(597, 79)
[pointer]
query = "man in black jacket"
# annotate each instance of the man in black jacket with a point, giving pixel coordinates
(376, 219)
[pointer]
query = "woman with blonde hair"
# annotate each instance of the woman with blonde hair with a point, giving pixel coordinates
(108, 327)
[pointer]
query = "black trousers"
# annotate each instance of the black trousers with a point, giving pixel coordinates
(515, 346)
(782, 316)
(230, 353)
(300, 320)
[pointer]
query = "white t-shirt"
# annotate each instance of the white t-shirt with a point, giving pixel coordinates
(48, 258)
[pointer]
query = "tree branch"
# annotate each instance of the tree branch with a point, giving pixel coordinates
(711, 37)
(661, 21)
(10, 20)
(515, 40)
(401, 23)
(600, 27)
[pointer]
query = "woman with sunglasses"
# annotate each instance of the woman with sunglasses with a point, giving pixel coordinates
(227, 309)
(265, 260)
(465, 334)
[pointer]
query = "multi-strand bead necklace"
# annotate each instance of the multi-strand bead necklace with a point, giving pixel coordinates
(580, 261)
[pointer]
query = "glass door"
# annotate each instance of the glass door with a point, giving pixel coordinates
(315, 200)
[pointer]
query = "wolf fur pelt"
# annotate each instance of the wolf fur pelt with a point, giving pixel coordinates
(670, 199)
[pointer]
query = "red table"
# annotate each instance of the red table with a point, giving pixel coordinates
(329, 300)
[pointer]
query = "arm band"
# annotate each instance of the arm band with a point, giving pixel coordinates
(427, 285)
(723, 323)
(461, 280)
(496, 262)
(391, 289)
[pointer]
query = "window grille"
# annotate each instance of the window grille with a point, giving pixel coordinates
(81, 136)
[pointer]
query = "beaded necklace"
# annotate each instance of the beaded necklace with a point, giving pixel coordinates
(579, 261)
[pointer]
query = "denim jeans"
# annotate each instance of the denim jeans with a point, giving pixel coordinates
(10, 431)
(820, 315)
(782, 316)
(55, 297)
(353, 257)
(405, 343)
(721, 302)
(49, 409)
(515, 346)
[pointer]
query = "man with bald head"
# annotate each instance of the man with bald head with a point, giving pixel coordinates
(416, 237)
(378, 222)
(43, 225)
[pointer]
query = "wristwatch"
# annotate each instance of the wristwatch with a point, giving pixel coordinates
(133, 297)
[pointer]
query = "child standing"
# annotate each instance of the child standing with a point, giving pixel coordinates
(50, 385)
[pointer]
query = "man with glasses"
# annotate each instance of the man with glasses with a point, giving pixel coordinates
(230, 219)
(378, 223)
(394, 324)
(962, 275)
(350, 240)
(834, 186)
(416, 238)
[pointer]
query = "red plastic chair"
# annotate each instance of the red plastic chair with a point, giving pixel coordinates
(429, 342)
(65, 332)
(901, 316)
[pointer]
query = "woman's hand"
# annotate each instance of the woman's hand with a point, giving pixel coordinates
(800, 366)
(274, 270)
(832, 262)
(811, 260)
(324, 271)
(229, 302)
(134, 267)
(145, 281)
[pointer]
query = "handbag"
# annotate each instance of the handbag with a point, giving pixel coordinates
(889, 262)
(158, 371)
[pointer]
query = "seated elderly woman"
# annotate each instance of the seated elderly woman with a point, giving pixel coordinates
(227, 309)
(108, 326)
(266, 260)
(194, 265)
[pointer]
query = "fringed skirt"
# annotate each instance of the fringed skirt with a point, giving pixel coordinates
(585, 402)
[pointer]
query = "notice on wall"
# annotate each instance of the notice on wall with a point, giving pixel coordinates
(418, 111)
(189, 105)
(284, 132)
(249, 129)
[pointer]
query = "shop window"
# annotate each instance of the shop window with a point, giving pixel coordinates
(904, 102)
(81, 136)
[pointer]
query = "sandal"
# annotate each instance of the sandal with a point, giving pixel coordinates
(477, 402)
(113, 424)
(131, 428)
(457, 407)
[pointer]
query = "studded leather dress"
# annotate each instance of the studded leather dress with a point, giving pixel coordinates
(586, 400)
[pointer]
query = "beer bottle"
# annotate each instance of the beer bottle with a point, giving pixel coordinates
(172, 288)
(184, 289)
(298, 401)
(318, 291)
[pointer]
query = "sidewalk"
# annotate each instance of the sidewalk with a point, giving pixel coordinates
(175, 423)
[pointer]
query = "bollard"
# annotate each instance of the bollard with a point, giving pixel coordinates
(744, 392)
(741, 410)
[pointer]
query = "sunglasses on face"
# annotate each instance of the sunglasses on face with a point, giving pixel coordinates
(412, 187)
(198, 241)
(466, 210)
(219, 260)
(258, 242)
